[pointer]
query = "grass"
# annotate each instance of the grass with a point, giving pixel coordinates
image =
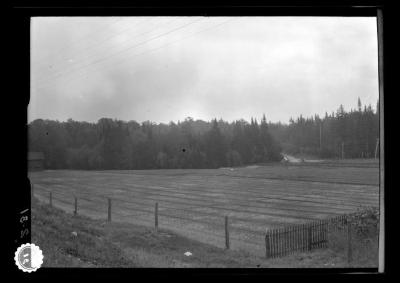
(364, 239)
(194, 202)
(52, 230)
(101, 244)
(364, 250)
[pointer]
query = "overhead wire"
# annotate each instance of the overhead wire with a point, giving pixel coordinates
(86, 36)
(99, 43)
(129, 48)
(125, 59)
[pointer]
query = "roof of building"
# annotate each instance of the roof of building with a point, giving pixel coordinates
(35, 155)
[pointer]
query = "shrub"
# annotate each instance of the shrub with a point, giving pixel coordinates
(365, 221)
(364, 237)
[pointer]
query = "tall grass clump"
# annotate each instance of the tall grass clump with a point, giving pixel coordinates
(364, 231)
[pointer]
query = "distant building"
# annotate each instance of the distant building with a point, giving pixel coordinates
(35, 161)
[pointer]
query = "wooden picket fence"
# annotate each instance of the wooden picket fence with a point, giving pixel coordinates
(302, 237)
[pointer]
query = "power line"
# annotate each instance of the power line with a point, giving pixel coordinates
(170, 43)
(86, 36)
(147, 32)
(157, 48)
(124, 60)
(97, 44)
(130, 48)
(74, 44)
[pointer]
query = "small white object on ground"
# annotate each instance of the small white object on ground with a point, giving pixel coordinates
(74, 234)
(188, 254)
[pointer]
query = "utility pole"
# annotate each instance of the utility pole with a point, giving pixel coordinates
(376, 147)
(320, 136)
(342, 150)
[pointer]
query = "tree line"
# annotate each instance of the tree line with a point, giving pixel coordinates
(116, 144)
(351, 134)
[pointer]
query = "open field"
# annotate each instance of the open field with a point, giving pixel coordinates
(98, 243)
(193, 202)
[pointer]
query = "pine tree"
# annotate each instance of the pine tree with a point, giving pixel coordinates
(215, 146)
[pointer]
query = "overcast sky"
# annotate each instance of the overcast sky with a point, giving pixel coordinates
(167, 68)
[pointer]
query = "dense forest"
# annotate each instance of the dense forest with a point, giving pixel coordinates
(116, 144)
(352, 134)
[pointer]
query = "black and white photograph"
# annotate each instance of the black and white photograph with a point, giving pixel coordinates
(206, 141)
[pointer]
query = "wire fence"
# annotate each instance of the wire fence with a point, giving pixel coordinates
(214, 228)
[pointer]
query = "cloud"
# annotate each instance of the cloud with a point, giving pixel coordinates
(126, 68)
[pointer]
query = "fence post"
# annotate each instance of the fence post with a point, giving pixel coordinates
(267, 245)
(290, 240)
(275, 242)
(76, 206)
(281, 243)
(286, 240)
(349, 248)
(271, 235)
(309, 237)
(297, 239)
(283, 240)
(322, 233)
(273, 252)
(314, 235)
(109, 210)
(291, 246)
(226, 233)
(51, 199)
(326, 230)
(279, 238)
(156, 216)
(294, 239)
(319, 234)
